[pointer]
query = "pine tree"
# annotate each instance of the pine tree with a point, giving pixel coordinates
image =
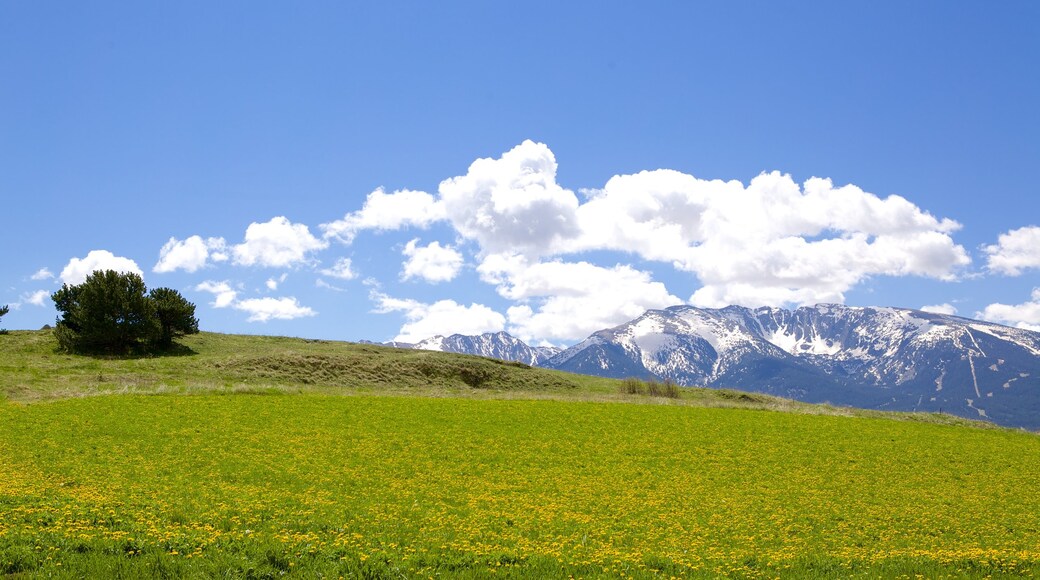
(176, 315)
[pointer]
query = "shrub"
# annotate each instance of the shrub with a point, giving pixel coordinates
(668, 388)
(632, 386)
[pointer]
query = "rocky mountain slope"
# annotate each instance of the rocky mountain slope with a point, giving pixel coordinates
(880, 358)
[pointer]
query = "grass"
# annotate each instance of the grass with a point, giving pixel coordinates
(31, 370)
(243, 460)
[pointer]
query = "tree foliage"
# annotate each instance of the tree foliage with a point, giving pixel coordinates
(4, 310)
(112, 312)
(176, 316)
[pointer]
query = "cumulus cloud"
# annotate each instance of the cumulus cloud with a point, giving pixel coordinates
(341, 269)
(387, 211)
(944, 308)
(564, 301)
(433, 262)
(42, 274)
(768, 241)
(444, 317)
(223, 294)
(512, 203)
(259, 309)
(36, 298)
(264, 309)
(1025, 315)
(771, 242)
(1015, 251)
(190, 254)
(77, 270)
(277, 243)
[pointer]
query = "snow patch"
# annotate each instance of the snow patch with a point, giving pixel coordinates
(433, 343)
(813, 345)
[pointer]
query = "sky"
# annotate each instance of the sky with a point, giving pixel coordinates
(396, 170)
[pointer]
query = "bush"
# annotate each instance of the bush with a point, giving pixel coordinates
(633, 386)
(110, 312)
(668, 388)
(654, 388)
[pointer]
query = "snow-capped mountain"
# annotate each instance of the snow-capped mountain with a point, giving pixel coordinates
(885, 358)
(500, 345)
(877, 358)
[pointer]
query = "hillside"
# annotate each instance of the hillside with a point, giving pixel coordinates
(266, 470)
(31, 370)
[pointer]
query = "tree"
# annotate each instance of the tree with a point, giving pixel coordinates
(4, 310)
(111, 312)
(176, 315)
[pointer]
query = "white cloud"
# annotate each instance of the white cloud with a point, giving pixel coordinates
(77, 270)
(277, 243)
(568, 301)
(341, 269)
(771, 242)
(433, 263)
(1025, 315)
(190, 254)
(1014, 251)
(387, 211)
(272, 283)
(223, 294)
(42, 274)
(259, 309)
(37, 298)
(512, 203)
(444, 317)
(323, 284)
(944, 308)
(264, 309)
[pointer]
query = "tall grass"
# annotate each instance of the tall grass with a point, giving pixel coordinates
(653, 387)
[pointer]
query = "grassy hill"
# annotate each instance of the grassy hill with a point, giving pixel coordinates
(478, 469)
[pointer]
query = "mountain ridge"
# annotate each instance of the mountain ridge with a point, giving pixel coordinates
(884, 358)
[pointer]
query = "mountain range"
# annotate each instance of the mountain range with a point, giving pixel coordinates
(893, 359)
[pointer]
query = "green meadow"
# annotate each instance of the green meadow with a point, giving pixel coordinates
(257, 457)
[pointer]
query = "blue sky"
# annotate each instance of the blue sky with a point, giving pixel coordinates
(241, 152)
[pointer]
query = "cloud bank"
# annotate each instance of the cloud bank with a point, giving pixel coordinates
(542, 247)
(770, 242)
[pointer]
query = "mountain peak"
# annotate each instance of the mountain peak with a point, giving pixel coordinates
(872, 357)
